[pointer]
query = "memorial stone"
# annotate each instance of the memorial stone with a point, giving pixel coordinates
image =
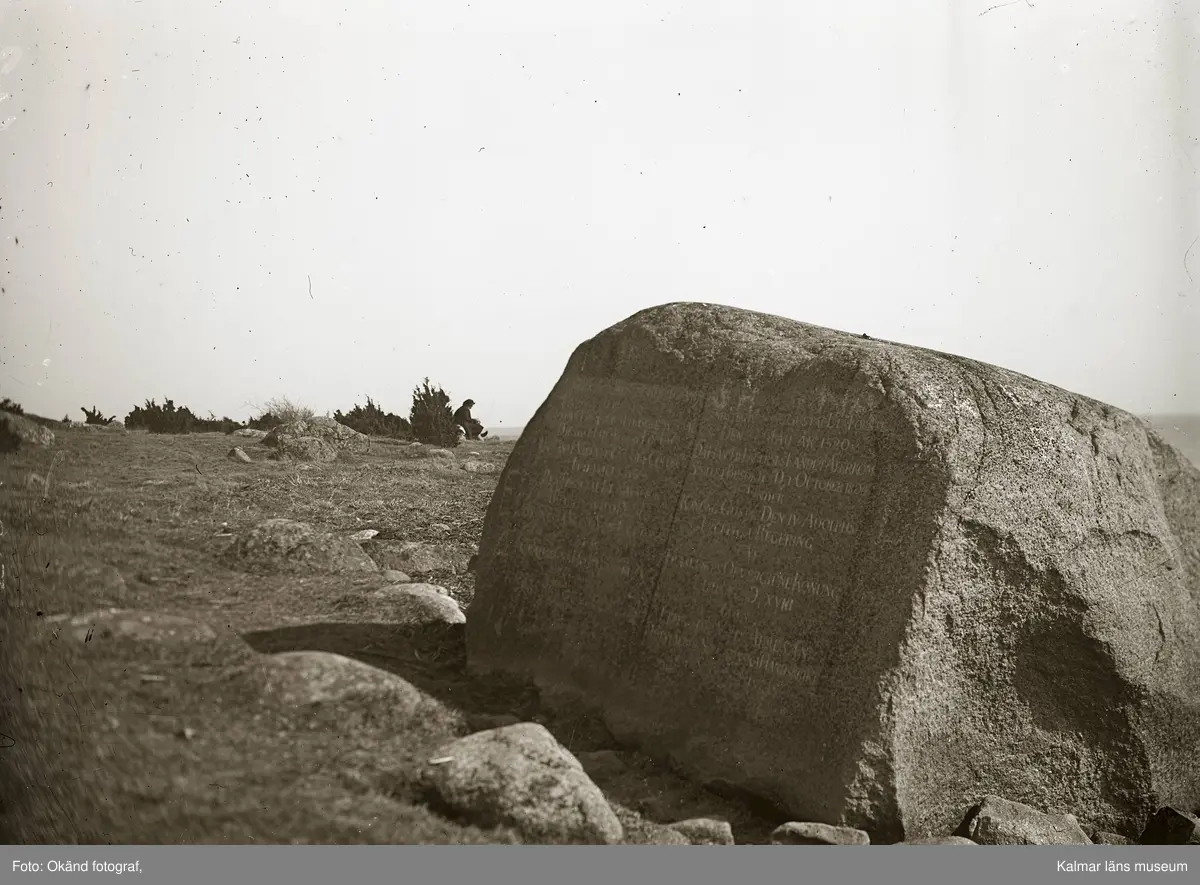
(866, 581)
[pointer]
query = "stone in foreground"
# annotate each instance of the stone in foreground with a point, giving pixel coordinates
(997, 821)
(806, 833)
(520, 776)
(866, 581)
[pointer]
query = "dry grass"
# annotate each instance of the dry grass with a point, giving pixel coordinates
(117, 742)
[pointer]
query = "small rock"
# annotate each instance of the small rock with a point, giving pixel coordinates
(999, 821)
(1102, 838)
(186, 733)
(938, 840)
(316, 677)
(439, 527)
(474, 466)
(364, 535)
(416, 557)
(804, 833)
(520, 776)
(1170, 826)
(705, 831)
(250, 433)
(441, 453)
(418, 604)
(237, 453)
(428, 588)
(601, 763)
(392, 576)
(284, 546)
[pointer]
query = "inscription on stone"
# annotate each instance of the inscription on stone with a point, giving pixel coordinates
(674, 510)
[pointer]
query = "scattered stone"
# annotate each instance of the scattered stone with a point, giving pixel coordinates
(415, 444)
(816, 515)
(439, 527)
(237, 453)
(416, 557)
(441, 453)
(418, 604)
(1102, 838)
(284, 546)
(364, 535)
(186, 733)
(520, 776)
(998, 821)
(316, 677)
(303, 448)
(803, 833)
(21, 428)
(938, 840)
(473, 466)
(250, 433)
(601, 764)
(139, 626)
(392, 576)
(1170, 826)
(704, 831)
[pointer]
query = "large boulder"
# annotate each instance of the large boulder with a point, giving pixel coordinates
(337, 436)
(866, 581)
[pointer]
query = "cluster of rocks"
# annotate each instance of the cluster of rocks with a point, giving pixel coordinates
(323, 439)
(285, 546)
(516, 774)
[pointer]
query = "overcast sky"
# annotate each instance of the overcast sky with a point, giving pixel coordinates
(222, 202)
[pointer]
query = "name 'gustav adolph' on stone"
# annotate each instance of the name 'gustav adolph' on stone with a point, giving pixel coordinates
(867, 581)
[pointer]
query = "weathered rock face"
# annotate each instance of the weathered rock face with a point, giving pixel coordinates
(870, 582)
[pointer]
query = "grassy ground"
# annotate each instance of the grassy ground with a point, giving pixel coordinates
(171, 742)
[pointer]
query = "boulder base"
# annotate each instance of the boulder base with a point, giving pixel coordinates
(869, 582)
